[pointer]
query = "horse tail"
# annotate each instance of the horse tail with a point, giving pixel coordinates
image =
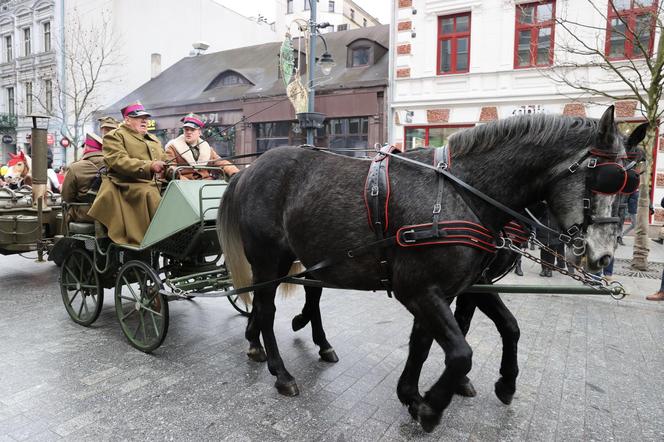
(286, 290)
(230, 239)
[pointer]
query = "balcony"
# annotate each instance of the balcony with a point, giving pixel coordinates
(8, 121)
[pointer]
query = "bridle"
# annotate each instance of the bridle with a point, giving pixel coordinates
(606, 177)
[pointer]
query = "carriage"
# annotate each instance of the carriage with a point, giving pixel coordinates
(178, 259)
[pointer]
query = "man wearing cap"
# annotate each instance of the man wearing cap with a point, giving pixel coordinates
(129, 194)
(78, 181)
(190, 149)
(107, 124)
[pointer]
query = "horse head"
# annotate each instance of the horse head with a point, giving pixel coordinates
(18, 166)
(586, 192)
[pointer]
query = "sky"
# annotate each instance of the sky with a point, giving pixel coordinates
(378, 8)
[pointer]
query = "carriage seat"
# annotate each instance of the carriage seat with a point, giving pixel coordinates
(81, 228)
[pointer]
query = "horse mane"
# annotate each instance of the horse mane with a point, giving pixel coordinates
(526, 130)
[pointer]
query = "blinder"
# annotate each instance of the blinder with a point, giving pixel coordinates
(612, 178)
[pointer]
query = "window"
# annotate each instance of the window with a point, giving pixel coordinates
(228, 78)
(534, 34)
(28, 98)
(349, 133)
(27, 49)
(631, 28)
(352, 14)
(46, 26)
(289, 6)
(9, 50)
(360, 56)
(364, 22)
(306, 5)
(330, 6)
(343, 27)
(429, 136)
(283, 133)
(48, 92)
(10, 101)
(453, 43)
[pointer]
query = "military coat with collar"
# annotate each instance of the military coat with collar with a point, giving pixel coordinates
(128, 196)
(77, 183)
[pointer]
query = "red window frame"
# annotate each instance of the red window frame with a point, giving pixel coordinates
(629, 16)
(534, 34)
(427, 127)
(454, 37)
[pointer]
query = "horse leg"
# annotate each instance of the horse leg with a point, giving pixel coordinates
(435, 314)
(418, 351)
(311, 312)
(491, 305)
(465, 309)
(264, 311)
(252, 334)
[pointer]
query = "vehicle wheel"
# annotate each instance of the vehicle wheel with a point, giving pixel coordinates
(239, 305)
(81, 290)
(140, 305)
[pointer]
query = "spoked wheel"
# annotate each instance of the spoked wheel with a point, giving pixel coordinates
(81, 290)
(141, 307)
(239, 305)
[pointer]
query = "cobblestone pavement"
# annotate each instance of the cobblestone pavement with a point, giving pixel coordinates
(591, 369)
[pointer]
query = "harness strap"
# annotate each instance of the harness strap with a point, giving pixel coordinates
(441, 161)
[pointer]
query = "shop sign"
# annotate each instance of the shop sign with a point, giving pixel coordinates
(529, 109)
(65, 142)
(152, 125)
(50, 139)
(211, 118)
(7, 139)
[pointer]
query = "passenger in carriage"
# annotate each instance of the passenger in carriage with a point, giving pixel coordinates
(79, 183)
(129, 193)
(107, 124)
(190, 149)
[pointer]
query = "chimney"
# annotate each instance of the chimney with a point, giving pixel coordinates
(155, 65)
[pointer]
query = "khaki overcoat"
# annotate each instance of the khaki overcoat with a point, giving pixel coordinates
(128, 197)
(77, 183)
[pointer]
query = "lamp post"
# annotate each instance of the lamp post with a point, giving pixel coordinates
(314, 120)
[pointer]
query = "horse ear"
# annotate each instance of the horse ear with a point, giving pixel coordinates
(637, 135)
(607, 128)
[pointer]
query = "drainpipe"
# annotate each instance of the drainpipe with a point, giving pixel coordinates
(61, 74)
(313, 30)
(390, 74)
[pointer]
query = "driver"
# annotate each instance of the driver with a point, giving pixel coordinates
(190, 149)
(129, 194)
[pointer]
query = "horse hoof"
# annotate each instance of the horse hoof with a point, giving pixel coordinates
(427, 417)
(329, 355)
(299, 322)
(257, 354)
(466, 390)
(504, 392)
(289, 389)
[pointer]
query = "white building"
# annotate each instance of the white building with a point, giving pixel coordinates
(151, 36)
(341, 14)
(458, 63)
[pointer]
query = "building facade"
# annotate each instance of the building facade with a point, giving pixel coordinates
(242, 98)
(341, 14)
(459, 63)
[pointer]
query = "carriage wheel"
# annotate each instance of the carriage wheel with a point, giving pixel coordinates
(140, 305)
(81, 290)
(239, 305)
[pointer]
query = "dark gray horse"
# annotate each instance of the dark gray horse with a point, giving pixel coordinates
(284, 206)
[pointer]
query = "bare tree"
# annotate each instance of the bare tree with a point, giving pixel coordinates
(617, 55)
(90, 52)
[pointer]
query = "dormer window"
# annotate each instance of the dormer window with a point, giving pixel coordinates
(228, 78)
(364, 52)
(360, 56)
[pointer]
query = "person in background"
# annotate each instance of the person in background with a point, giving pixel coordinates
(129, 193)
(52, 177)
(632, 206)
(107, 124)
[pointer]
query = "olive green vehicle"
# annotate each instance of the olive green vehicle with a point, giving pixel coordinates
(178, 259)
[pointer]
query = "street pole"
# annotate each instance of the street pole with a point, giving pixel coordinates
(313, 31)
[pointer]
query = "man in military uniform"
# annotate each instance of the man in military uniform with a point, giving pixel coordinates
(190, 149)
(107, 124)
(129, 194)
(78, 181)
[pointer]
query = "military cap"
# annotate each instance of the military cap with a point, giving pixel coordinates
(134, 109)
(192, 120)
(109, 122)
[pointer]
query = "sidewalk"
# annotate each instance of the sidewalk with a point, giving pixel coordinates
(637, 287)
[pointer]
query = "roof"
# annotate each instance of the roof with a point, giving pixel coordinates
(185, 82)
